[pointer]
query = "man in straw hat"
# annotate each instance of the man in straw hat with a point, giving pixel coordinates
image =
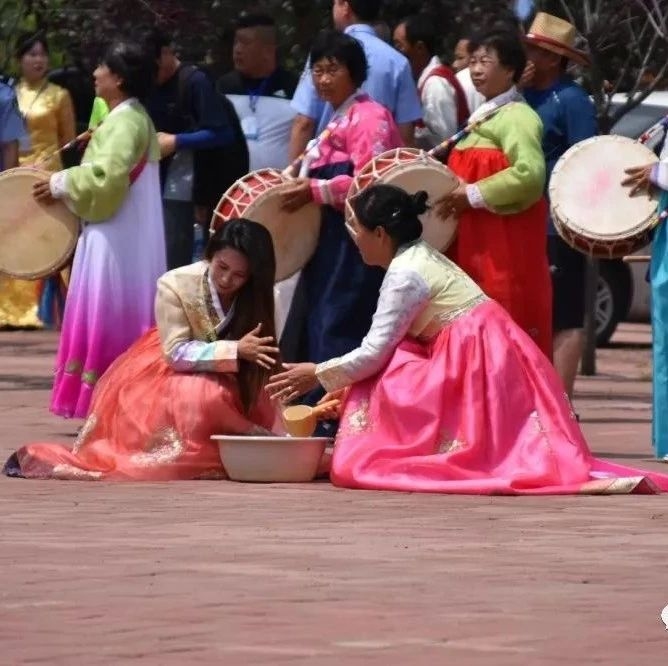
(568, 116)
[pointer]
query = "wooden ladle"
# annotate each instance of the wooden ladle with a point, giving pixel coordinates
(301, 420)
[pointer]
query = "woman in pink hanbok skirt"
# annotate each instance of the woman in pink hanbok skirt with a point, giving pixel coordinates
(446, 393)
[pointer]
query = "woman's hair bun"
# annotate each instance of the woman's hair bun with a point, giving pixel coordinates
(419, 201)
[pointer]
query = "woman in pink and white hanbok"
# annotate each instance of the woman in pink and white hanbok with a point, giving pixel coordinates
(447, 393)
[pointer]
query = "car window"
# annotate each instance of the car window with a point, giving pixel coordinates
(636, 121)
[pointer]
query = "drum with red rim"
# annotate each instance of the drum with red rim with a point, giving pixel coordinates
(591, 209)
(257, 197)
(412, 170)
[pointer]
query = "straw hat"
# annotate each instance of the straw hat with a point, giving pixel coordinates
(556, 35)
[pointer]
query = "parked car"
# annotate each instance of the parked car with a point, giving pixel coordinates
(623, 292)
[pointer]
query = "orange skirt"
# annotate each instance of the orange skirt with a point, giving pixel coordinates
(148, 423)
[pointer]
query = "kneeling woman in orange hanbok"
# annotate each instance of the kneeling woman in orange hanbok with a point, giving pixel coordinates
(446, 392)
(201, 372)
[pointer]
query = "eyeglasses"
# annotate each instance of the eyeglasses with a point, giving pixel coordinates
(485, 62)
(331, 71)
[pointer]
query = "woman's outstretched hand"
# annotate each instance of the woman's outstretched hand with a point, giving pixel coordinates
(298, 378)
(258, 350)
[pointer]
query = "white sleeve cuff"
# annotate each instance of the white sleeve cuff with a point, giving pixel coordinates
(659, 175)
(57, 184)
(474, 196)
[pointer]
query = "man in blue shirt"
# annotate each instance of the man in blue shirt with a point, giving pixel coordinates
(11, 128)
(389, 80)
(568, 117)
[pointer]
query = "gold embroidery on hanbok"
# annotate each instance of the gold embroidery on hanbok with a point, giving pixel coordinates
(163, 447)
(86, 429)
(537, 422)
(615, 486)
(358, 420)
(451, 315)
(201, 311)
(67, 472)
(450, 446)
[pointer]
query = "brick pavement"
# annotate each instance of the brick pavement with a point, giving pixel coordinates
(224, 573)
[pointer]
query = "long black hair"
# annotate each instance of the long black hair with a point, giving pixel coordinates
(393, 209)
(254, 302)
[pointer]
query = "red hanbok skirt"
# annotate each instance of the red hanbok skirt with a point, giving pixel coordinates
(506, 255)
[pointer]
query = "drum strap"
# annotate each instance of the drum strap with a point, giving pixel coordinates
(442, 151)
(138, 168)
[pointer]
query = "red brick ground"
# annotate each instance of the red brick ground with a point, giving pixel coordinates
(223, 573)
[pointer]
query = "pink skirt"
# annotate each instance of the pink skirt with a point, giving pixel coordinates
(477, 410)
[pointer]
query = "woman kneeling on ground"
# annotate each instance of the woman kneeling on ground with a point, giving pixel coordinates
(446, 392)
(200, 372)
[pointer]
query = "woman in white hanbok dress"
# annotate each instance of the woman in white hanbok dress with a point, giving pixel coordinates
(121, 250)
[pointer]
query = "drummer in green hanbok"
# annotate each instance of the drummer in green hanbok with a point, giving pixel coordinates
(121, 250)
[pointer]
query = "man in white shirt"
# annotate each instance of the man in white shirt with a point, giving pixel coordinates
(260, 90)
(444, 107)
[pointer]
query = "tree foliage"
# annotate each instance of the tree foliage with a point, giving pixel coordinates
(628, 43)
(628, 39)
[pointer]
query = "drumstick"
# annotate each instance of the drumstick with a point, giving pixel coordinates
(457, 136)
(83, 136)
(325, 407)
(293, 168)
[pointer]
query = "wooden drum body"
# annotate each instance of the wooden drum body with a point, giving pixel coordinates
(591, 210)
(36, 239)
(257, 197)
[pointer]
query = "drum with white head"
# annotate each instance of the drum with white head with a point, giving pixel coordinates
(591, 209)
(412, 170)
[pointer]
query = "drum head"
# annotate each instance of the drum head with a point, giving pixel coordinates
(35, 239)
(586, 195)
(412, 170)
(257, 197)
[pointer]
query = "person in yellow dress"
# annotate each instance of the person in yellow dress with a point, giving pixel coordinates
(49, 116)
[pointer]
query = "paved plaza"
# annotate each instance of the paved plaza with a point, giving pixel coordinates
(223, 573)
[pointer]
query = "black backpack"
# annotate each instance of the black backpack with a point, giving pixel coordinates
(215, 169)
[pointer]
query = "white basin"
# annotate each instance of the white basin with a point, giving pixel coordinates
(272, 459)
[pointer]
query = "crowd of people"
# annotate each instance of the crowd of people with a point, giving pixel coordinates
(454, 373)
